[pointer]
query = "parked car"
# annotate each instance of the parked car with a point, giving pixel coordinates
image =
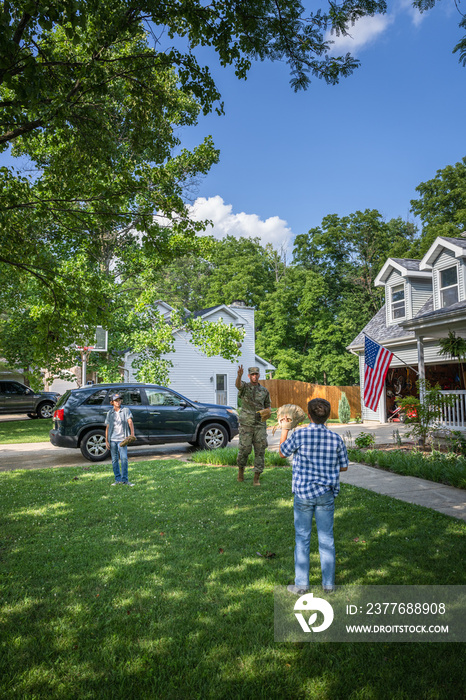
(160, 416)
(18, 398)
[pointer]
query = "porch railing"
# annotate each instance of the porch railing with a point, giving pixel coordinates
(454, 416)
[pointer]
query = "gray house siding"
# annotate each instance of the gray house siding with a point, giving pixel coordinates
(407, 355)
(420, 292)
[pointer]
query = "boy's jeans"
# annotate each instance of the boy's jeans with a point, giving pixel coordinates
(119, 452)
(322, 507)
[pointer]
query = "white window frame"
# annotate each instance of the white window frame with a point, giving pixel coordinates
(450, 286)
(221, 374)
(392, 290)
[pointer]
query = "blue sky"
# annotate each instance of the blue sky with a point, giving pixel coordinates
(289, 159)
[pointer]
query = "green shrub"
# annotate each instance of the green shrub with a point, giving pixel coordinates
(458, 442)
(344, 410)
(443, 468)
(426, 415)
(364, 440)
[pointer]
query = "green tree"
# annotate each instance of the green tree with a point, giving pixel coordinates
(298, 332)
(344, 410)
(349, 252)
(241, 268)
(442, 204)
(327, 295)
(90, 96)
(232, 269)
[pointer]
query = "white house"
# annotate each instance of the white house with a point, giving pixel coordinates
(424, 300)
(202, 378)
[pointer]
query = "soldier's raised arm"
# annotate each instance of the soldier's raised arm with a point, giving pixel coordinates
(238, 377)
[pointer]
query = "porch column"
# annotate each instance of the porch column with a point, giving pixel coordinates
(421, 366)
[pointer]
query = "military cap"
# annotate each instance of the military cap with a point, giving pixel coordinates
(252, 370)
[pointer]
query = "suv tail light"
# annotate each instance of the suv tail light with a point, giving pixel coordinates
(59, 414)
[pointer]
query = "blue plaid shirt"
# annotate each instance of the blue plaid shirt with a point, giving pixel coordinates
(318, 455)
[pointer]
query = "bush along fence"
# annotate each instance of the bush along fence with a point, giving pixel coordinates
(284, 391)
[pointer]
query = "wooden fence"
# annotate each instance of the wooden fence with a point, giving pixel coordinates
(288, 391)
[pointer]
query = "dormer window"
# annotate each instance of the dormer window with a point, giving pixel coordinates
(398, 302)
(448, 286)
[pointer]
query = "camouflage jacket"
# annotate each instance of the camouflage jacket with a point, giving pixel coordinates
(254, 397)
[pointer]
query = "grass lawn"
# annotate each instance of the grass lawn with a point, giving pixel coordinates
(158, 591)
(227, 456)
(31, 430)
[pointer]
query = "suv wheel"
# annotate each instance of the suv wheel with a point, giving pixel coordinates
(213, 436)
(45, 410)
(93, 446)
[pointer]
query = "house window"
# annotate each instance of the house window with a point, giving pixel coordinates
(448, 286)
(398, 302)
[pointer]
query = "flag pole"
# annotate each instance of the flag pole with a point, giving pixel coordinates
(398, 358)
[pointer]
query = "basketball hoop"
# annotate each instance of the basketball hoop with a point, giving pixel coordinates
(85, 350)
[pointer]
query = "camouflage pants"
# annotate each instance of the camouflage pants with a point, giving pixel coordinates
(252, 436)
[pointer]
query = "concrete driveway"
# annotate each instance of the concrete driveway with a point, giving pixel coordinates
(39, 455)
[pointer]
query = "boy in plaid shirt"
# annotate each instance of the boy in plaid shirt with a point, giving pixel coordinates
(318, 458)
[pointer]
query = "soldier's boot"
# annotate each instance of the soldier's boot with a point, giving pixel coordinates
(240, 473)
(256, 481)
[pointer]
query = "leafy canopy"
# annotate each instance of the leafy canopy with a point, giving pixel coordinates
(94, 102)
(442, 204)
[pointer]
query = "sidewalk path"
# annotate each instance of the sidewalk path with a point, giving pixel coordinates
(446, 499)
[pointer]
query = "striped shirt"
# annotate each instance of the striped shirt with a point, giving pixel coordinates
(318, 455)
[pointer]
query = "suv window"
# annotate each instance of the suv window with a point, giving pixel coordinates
(97, 398)
(161, 397)
(63, 399)
(13, 388)
(129, 397)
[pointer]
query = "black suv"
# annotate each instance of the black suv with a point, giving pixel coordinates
(160, 415)
(17, 398)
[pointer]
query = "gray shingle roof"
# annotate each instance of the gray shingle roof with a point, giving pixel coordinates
(378, 330)
(408, 263)
(427, 310)
(201, 312)
(460, 242)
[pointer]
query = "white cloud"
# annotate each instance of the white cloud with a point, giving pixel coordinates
(273, 230)
(416, 16)
(365, 31)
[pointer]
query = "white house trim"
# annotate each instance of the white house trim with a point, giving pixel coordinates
(433, 252)
(391, 265)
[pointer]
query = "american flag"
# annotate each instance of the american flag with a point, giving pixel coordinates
(377, 361)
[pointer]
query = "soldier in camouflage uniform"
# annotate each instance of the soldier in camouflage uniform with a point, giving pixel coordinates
(255, 409)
